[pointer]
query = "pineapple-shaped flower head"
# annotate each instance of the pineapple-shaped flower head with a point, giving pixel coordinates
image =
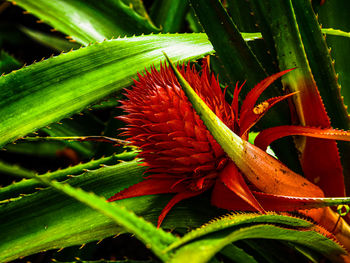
(182, 156)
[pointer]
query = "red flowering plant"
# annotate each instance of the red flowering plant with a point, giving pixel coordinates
(183, 157)
(192, 136)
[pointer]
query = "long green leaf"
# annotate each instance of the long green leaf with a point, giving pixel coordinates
(27, 186)
(212, 244)
(47, 219)
(335, 15)
(48, 91)
(38, 149)
(169, 14)
(138, 6)
(321, 64)
(154, 239)
(239, 62)
(89, 21)
(7, 63)
(236, 220)
(237, 254)
(51, 41)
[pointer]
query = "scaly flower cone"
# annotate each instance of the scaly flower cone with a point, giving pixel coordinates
(183, 157)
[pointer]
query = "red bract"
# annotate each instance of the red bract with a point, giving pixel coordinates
(182, 156)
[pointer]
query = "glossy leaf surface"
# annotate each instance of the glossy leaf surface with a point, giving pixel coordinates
(48, 91)
(89, 21)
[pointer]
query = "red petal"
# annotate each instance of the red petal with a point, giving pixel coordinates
(253, 95)
(271, 176)
(149, 187)
(266, 137)
(234, 105)
(234, 181)
(177, 198)
(320, 159)
(158, 137)
(290, 203)
(252, 117)
(203, 158)
(223, 197)
(321, 165)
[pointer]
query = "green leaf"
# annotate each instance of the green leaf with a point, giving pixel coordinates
(237, 254)
(238, 60)
(269, 250)
(12, 170)
(154, 239)
(245, 20)
(77, 126)
(334, 15)
(139, 8)
(335, 32)
(169, 14)
(105, 104)
(321, 63)
(47, 219)
(242, 16)
(213, 237)
(27, 186)
(212, 244)
(51, 41)
(89, 21)
(236, 220)
(38, 149)
(7, 63)
(53, 89)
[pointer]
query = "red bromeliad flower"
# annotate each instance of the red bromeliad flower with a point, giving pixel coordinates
(182, 156)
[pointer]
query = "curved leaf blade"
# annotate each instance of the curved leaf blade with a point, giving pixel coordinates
(48, 91)
(236, 220)
(212, 244)
(48, 219)
(89, 21)
(154, 238)
(27, 186)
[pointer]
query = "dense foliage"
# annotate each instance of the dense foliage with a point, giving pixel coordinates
(64, 65)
